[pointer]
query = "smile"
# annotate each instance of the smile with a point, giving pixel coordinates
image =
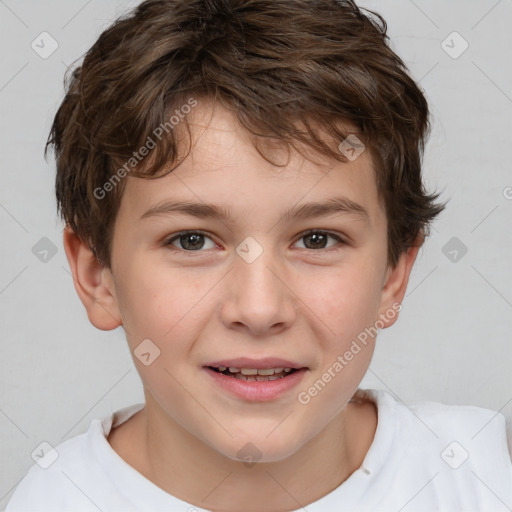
(255, 385)
(254, 374)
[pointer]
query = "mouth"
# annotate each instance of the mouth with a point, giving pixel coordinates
(256, 381)
(254, 374)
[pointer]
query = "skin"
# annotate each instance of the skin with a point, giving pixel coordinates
(296, 302)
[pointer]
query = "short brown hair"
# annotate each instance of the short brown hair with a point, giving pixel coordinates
(278, 64)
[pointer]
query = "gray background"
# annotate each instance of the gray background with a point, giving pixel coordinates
(452, 342)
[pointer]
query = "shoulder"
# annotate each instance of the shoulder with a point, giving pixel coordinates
(481, 432)
(77, 474)
(458, 452)
(50, 481)
(72, 475)
(438, 420)
(479, 429)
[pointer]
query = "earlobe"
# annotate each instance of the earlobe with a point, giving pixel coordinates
(92, 282)
(395, 285)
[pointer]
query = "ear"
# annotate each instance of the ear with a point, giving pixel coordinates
(395, 284)
(93, 283)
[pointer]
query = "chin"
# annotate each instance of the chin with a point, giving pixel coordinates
(257, 449)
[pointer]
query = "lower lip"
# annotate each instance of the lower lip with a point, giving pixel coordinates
(257, 391)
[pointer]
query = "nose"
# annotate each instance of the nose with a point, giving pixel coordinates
(259, 297)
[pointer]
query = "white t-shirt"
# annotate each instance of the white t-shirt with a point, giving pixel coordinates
(424, 457)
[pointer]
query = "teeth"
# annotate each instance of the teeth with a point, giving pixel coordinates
(252, 378)
(250, 371)
(266, 372)
(256, 373)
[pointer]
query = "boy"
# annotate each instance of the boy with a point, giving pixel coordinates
(241, 185)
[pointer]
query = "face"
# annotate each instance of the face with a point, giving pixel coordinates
(268, 279)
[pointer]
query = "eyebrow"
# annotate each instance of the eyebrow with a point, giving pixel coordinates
(332, 206)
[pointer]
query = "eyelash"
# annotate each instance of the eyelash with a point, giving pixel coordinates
(302, 235)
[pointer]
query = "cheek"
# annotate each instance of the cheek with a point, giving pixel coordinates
(161, 305)
(155, 299)
(346, 300)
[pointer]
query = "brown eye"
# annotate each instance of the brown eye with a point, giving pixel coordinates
(189, 241)
(318, 239)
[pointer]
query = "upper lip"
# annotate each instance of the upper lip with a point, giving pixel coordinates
(259, 364)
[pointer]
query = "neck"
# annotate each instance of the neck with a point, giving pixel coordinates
(182, 465)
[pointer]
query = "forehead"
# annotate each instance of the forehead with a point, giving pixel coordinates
(224, 167)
